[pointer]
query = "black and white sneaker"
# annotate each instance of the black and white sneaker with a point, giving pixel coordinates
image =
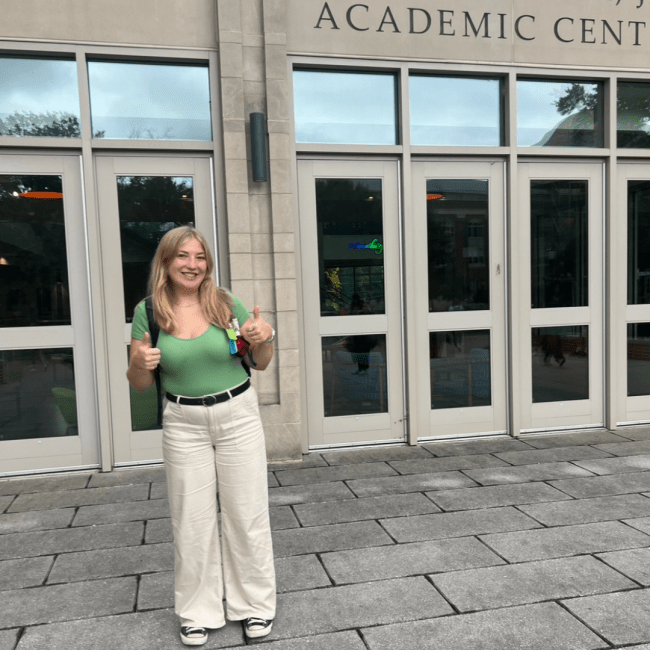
(256, 627)
(194, 635)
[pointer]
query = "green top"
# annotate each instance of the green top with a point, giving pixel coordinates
(195, 367)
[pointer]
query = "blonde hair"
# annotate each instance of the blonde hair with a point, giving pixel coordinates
(216, 303)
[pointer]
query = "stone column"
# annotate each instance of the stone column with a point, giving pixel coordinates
(253, 73)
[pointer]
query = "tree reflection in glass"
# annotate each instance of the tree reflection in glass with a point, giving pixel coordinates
(149, 206)
(458, 238)
(34, 290)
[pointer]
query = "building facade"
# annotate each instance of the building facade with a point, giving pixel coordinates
(445, 220)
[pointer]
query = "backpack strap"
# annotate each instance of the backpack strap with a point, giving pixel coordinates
(154, 332)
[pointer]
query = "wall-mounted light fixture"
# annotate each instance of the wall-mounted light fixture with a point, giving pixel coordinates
(258, 147)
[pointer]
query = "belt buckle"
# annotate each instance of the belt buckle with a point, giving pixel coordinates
(205, 401)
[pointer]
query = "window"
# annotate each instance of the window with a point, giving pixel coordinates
(39, 97)
(345, 107)
(632, 127)
(455, 111)
(149, 101)
(552, 113)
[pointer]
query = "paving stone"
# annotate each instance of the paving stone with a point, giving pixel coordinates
(335, 641)
(335, 537)
(330, 474)
(300, 572)
(306, 613)
(498, 495)
(468, 447)
(112, 563)
(634, 433)
(552, 455)
(44, 484)
(127, 477)
(526, 473)
(600, 486)
(626, 448)
(587, 510)
(140, 631)
(65, 540)
(621, 618)
(30, 572)
(546, 543)
(271, 480)
(533, 627)
(156, 591)
(618, 465)
(21, 522)
(308, 460)
(398, 505)
(642, 524)
(112, 513)
(571, 439)
(5, 502)
(375, 454)
(520, 584)
(457, 524)
(446, 464)
(401, 560)
(89, 496)
(287, 496)
(158, 491)
(370, 487)
(634, 563)
(282, 517)
(159, 530)
(67, 602)
(8, 639)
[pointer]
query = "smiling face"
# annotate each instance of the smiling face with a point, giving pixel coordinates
(188, 268)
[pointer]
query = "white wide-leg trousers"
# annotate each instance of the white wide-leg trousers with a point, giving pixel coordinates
(209, 449)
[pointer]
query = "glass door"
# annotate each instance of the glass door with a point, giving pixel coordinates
(456, 276)
(140, 199)
(560, 301)
(349, 216)
(633, 300)
(47, 397)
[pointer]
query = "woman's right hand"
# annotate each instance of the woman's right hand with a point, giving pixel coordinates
(145, 357)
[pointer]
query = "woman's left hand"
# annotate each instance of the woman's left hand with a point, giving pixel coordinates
(256, 330)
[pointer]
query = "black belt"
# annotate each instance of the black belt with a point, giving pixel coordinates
(210, 400)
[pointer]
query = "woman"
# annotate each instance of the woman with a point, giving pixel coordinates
(212, 435)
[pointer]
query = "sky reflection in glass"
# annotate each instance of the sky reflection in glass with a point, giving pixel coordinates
(344, 107)
(39, 97)
(145, 101)
(541, 123)
(455, 111)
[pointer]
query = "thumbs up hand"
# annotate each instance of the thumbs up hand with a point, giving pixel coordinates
(256, 330)
(144, 356)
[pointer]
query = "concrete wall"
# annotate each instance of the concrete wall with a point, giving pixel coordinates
(607, 33)
(169, 23)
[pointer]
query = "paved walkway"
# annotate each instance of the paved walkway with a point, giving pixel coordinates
(541, 543)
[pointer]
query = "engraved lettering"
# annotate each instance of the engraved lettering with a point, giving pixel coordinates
(502, 25)
(412, 29)
(556, 29)
(348, 17)
(330, 17)
(476, 30)
(388, 18)
(636, 24)
(587, 30)
(607, 27)
(519, 34)
(444, 21)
